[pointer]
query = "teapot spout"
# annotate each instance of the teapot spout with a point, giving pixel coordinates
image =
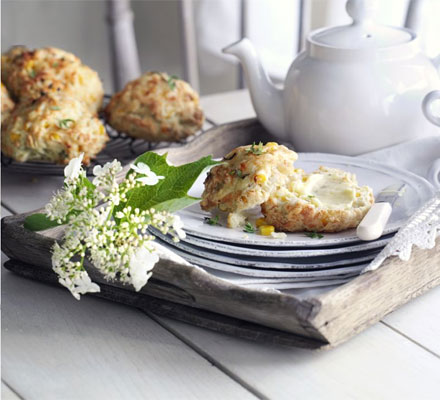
(266, 98)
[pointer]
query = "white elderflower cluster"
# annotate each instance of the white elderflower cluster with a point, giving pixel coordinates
(120, 248)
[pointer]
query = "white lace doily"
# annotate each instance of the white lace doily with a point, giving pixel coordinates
(421, 230)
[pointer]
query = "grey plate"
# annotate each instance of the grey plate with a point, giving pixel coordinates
(244, 280)
(279, 283)
(273, 262)
(300, 285)
(284, 252)
(373, 174)
(266, 273)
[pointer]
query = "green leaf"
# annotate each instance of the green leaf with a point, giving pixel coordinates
(64, 123)
(238, 172)
(249, 228)
(212, 221)
(39, 222)
(171, 81)
(174, 205)
(256, 149)
(89, 185)
(171, 193)
(314, 235)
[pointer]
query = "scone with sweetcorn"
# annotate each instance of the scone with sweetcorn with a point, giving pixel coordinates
(30, 74)
(7, 103)
(52, 128)
(327, 200)
(247, 178)
(156, 107)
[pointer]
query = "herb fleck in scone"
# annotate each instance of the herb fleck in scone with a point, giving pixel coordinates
(156, 107)
(328, 200)
(30, 74)
(7, 103)
(52, 128)
(247, 178)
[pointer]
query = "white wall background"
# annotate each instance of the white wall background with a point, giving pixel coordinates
(79, 26)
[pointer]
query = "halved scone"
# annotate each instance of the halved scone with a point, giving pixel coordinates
(247, 178)
(327, 200)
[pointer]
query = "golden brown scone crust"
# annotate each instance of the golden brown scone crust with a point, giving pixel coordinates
(30, 74)
(289, 211)
(156, 108)
(246, 179)
(52, 128)
(7, 103)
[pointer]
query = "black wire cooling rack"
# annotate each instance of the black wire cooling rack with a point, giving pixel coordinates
(120, 146)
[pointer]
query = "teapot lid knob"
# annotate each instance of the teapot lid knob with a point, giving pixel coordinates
(362, 11)
(363, 33)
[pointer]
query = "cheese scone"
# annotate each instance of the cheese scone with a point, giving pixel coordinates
(156, 107)
(52, 128)
(327, 200)
(30, 74)
(7, 103)
(246, 178)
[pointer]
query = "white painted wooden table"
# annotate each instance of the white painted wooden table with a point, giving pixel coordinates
(55, 347)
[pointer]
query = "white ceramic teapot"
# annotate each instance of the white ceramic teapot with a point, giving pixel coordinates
(354, 89)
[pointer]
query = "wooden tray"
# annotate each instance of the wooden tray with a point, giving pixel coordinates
(191, 295)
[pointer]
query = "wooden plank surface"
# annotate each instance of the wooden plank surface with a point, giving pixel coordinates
(8, 394)
(377, 364)
(22, 193)
(419, 320)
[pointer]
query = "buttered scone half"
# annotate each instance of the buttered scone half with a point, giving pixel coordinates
(327, 200)
(247, 178)
(156, 107)
(52, 128)
(30, 74)
(7, 103)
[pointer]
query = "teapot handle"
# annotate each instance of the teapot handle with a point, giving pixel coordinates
(426, 106)
(436, 62)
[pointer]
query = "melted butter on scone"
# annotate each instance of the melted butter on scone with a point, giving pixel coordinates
(329, 191)
(328, 200)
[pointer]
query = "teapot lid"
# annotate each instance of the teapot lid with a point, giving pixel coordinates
(364, 32)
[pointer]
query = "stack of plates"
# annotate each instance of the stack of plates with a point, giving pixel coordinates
(297, 261)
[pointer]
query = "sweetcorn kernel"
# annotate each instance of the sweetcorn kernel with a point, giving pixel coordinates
(271, 144)
(15, 137)
(266, 230)
(260, 178)
(259, 222)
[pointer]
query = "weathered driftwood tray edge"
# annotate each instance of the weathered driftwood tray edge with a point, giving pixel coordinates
(191, 295)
